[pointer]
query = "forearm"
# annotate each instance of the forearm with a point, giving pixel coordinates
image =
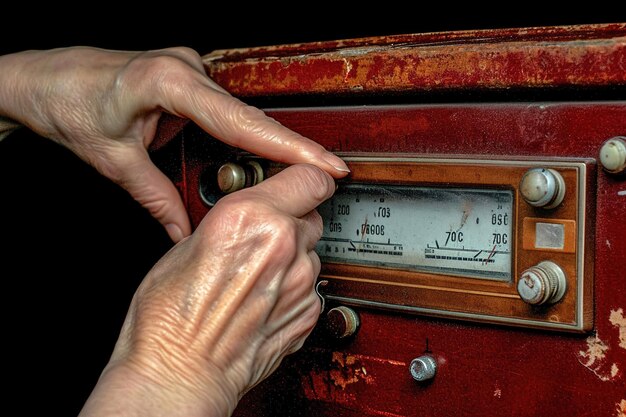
(13, 91)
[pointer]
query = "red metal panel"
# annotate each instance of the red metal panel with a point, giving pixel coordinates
(491, 59)
(483, 369)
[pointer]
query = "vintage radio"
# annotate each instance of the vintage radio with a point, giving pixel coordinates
(474, 262)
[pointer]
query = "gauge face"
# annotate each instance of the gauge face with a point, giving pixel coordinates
(453, 231)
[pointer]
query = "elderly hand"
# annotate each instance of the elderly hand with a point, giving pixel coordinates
(105, 105)
(218, 313)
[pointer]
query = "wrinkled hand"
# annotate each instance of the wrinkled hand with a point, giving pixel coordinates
(219, 312)
(105, 105)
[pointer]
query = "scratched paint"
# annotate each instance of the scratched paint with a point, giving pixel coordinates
(621, 409)
(426, 62)
(594, 355)
(595, 358)
(349, 371)
(618, 320)
(472, 356)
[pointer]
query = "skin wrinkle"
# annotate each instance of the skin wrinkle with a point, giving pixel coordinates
(162, 345)
(221, 309)
(267, 276)
(179, 385)
(276, 339)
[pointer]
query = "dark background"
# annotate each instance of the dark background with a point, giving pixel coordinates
(75, 246)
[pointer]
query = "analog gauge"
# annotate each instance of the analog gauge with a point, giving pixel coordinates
(452, 231)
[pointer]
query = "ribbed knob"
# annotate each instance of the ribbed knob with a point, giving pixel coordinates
(423, 368)
(543, 283)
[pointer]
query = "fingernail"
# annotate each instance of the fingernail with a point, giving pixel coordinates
(174, 231)
(336, 162)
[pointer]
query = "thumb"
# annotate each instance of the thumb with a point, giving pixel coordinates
(155, 192)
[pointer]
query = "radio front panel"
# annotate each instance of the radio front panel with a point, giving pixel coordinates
(409, 259)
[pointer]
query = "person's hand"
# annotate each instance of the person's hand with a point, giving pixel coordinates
(105, 105)
(218, 313)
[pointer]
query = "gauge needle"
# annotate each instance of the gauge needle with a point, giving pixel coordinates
(363, 229)
(491, 254)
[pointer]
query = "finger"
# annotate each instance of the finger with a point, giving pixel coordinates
(296, 292)
(296, 190)
(247, 127)
(194, 60)
(311, 227)
(155, 192)
(316, 264)
(187, 55)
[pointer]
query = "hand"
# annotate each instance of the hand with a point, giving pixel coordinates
(218, 313)
(105, 106)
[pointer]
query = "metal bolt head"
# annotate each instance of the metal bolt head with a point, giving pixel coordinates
(423, 368)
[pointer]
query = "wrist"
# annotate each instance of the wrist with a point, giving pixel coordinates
(14, 91)
(121, 391)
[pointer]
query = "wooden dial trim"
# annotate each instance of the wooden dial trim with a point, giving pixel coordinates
(472, 298)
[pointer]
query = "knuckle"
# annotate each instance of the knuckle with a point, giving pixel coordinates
(314, 225)
(184, 52)
(249, 118)
(162, 72)
(284, 233)
(159, 208)
(305, 274)
(316, 264)
(250, 218)
(318, 223)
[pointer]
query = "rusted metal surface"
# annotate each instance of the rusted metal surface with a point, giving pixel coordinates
(490, 59)
(482, 369)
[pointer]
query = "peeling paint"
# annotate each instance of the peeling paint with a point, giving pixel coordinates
(596, 354)
(497, 393)
(621, 408)
(623, 192)
(618, 320)
(596, 351)
(614, 370)
(347, 373)
(608, 243)
(418, 64)
(348, 66)
(595, 357)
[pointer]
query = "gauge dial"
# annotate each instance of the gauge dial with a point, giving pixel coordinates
(453, 231)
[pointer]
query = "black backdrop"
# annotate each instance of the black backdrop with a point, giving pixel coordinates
(73, 245)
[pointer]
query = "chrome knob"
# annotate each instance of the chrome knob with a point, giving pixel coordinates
(423, 368)
(233, 177)
(613, 155)
(542, 187)
(543, 283)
